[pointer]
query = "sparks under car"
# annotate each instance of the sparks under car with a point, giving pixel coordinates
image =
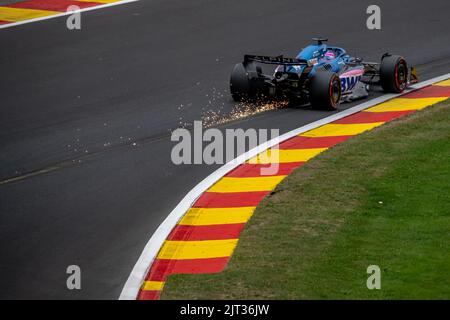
(321, 75)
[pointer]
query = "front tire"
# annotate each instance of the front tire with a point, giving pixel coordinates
(325, 91)
(393, 74)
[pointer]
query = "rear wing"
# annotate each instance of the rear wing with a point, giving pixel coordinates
(279, 60)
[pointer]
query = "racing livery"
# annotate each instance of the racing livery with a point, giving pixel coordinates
(322, 75)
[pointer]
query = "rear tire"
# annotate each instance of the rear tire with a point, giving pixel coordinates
(245, 83)
(325, 91)
(393, 74)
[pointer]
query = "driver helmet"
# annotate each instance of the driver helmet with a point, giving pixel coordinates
(329, 55)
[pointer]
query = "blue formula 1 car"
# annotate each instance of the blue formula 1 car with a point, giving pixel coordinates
(322, 75)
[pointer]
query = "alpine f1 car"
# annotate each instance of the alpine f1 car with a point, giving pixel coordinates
(322, 75)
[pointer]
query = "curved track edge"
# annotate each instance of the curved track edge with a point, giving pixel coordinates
(187, 243)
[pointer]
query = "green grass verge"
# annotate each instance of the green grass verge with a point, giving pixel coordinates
(381, 198)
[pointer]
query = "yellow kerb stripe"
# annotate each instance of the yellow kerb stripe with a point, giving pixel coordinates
(152, 285)
(404, 104)
(285, 156)
(18, 14)
(210, 216)
(227, 184)
(333, 130)
(182, 250)
(443, 83)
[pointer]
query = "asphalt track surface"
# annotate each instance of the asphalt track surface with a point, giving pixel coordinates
(120, 81)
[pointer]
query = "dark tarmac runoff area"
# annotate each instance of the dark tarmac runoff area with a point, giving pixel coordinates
(86, 175)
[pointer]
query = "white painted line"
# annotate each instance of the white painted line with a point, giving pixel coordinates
(62, 14)
(136, 278)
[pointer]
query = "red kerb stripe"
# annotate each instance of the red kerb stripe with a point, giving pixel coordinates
(255, 170)
(229, 200)
(210, 232)
(148, 295)
(429, 92)
(299, 142)
(52, 5)
(370, 117)
(162, 268)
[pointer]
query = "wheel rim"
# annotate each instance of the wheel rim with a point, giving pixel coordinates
(400, 75)
(335, 91)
